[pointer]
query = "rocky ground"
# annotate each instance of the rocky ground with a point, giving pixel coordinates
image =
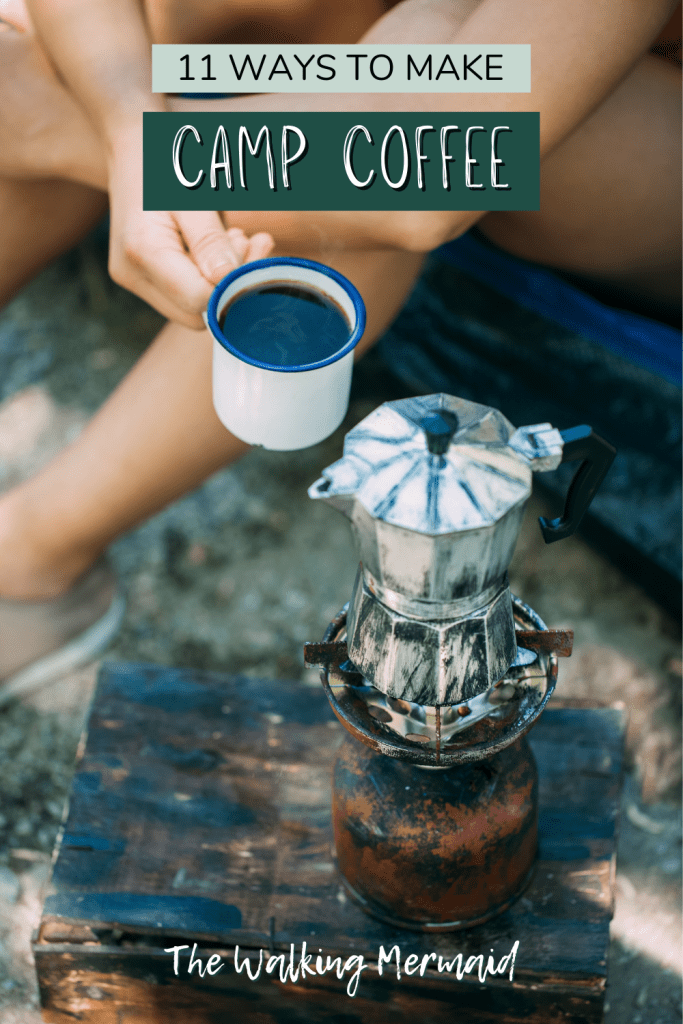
(235, 576)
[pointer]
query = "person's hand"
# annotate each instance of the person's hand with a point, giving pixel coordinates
(171, 260)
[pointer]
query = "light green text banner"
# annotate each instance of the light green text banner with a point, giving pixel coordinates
(392, 67)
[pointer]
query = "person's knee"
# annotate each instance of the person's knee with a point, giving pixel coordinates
(529, 237)
(420, 231)
(171, 21)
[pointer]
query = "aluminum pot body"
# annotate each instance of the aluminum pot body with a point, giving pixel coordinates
(287, 407)
(435, 850)
(437, 568)
(431, 662)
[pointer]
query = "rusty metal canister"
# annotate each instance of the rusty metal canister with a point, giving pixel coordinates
(435, 850)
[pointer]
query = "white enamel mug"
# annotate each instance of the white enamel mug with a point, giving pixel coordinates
(283, 407)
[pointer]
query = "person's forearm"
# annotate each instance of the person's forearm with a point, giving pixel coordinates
(102, 50)
(580, 50)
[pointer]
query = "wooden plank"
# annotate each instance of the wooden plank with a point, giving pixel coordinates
(201, 809)
(113, 986)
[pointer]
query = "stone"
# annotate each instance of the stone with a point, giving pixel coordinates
(10, 886)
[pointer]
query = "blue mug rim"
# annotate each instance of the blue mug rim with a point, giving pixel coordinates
(286, 261)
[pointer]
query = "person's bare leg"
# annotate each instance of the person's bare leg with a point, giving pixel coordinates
(154, 440)
(39, 220)
(268, 21)
(158, 436)
(610, 193)
(145, 447)
(43, 134)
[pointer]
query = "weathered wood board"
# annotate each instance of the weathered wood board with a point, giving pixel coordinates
(200, 813)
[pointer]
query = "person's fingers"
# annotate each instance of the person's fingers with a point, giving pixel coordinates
(14, 14)
(171, 310)
(209, 245)
(259, 246)
(172, 260)
(248, 249)
(239, 241)
(171, 266)
(175, 278)
(150, 260)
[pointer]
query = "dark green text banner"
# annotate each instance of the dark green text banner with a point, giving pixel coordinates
(349, 161)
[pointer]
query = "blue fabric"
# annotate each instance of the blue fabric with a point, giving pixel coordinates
(502, 332)
(646, 343)
(207, 95)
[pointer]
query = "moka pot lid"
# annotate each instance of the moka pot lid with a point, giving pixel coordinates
(437, 464)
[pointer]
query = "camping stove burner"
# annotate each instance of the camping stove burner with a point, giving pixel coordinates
(428, 725)
(439, 737)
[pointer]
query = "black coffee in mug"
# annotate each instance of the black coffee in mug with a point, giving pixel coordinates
(285, 324)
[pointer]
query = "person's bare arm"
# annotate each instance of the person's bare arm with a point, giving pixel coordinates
(580, 50)
(102, 50)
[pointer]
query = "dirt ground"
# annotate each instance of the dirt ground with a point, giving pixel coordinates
(237, 575)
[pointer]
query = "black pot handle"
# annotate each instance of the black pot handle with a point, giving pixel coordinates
(597, 455)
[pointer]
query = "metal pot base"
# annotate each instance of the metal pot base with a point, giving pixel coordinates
(435, 851)
(375, 911)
